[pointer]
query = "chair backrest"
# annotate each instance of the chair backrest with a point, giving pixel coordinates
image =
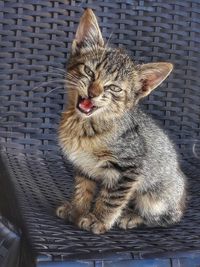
(35, 38)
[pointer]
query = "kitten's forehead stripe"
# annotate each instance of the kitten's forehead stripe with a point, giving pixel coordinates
(116, 77)
(115, 61)
(112, 70)
(102, 61)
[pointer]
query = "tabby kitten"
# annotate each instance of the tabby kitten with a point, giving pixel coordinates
(127, 171)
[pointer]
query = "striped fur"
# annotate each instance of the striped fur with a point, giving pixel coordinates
(127, 168)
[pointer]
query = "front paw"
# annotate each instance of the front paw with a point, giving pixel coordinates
(65, 211)
(91, 223)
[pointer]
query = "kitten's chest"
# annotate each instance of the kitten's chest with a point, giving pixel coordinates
(81, 152)
(95, 162)
(89, 153)
(90, 156)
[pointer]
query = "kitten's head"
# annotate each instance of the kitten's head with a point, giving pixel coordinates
(103, 81)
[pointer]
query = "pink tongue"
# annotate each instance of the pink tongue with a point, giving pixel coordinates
(86, 105)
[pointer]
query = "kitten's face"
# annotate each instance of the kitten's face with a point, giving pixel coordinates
(102, 81)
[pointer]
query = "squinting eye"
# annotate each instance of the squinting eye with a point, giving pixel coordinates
(113, 88)
(88, 71)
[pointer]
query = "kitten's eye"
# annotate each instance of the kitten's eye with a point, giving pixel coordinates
(88, 71)
(113, 88)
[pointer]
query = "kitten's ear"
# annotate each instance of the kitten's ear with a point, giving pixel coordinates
(88, 31)
(151, 75)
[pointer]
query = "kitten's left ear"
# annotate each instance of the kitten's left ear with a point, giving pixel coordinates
(151, 75)
(88, 32)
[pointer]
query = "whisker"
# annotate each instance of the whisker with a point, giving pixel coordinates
(49, 73)
(48, 82)
(57, 88)
(57, 69)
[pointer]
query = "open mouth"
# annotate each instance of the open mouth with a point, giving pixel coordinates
(85, 105)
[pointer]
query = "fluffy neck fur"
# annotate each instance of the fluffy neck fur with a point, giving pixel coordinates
(86, 127)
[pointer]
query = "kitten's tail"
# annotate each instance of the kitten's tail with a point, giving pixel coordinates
(196, 149)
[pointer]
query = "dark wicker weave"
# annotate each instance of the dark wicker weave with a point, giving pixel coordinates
(9, 244)
(35, 37)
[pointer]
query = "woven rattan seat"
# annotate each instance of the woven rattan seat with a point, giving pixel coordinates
(35, 39)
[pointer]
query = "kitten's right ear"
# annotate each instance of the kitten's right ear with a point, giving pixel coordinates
(88, 32)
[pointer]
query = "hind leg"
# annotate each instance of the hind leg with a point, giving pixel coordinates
(129, 219)
(152, 209)
(158, 210)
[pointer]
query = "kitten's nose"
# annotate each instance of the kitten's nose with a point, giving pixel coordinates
(94, 90)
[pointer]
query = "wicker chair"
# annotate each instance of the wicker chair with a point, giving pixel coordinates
(35, 38)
